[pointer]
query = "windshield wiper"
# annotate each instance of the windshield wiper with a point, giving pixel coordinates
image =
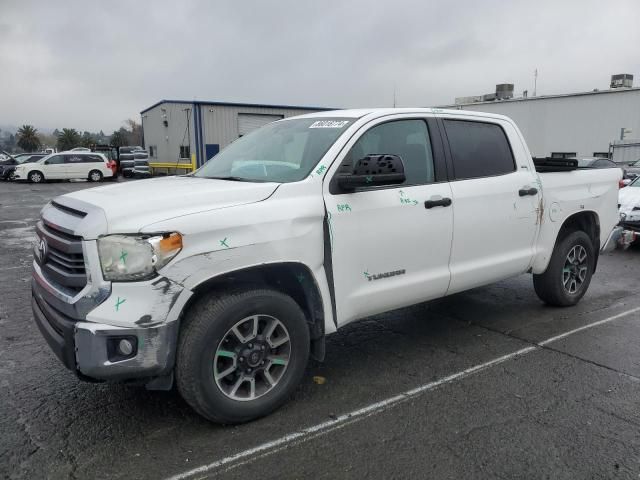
(233, 179)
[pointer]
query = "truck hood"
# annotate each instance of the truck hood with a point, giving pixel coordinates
(129, 207)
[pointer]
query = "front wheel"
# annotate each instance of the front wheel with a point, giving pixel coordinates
(242, 354)
(36, 177)
(569, 272)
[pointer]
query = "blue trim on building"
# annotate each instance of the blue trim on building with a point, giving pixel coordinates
(201, 152)
(233, 104)
(196, 127)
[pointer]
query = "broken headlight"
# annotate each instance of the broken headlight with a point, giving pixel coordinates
(136, 257)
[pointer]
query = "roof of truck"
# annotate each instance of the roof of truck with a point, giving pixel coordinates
(379, 112)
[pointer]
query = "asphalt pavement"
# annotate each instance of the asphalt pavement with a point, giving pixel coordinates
(482, 384)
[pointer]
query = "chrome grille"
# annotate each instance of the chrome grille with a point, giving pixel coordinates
(60, 257)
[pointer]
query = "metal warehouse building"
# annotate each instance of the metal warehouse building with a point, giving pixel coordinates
(182, 135)
(585, 124)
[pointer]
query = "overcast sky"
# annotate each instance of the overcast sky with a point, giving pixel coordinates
(92, 64)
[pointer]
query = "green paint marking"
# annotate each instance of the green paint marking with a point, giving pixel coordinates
(344, 207)
(369, 179)
(225, 353)
(118, 303)
(223, 242)
(415, 202)
(320, 169)
(300, 277)
(401, 192)
(366, 274)
(123, 256)
(278, 361)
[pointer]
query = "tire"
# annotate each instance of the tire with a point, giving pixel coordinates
(36, 177)
(95, 176)
(563, 283)
(208, 330)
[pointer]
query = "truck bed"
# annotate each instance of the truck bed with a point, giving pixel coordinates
(549, 164)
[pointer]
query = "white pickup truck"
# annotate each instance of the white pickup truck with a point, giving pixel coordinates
(227, 280)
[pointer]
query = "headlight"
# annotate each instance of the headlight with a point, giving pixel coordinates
(136, 257)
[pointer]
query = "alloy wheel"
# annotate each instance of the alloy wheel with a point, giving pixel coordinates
(252, 357)
(575, 269)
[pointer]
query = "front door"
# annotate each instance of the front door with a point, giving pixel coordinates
(388, 250)
(211, 150)
(54, 167)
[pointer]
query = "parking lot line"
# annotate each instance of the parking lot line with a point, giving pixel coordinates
(314, 431)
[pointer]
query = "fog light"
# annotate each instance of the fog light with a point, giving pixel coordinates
(125, 347)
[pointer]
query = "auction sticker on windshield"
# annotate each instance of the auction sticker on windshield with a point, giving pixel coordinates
(329, 124)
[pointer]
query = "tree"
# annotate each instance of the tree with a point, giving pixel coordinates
(28, 138)
(119, 138)
(134, 132)
(88, 139)
(69, 138)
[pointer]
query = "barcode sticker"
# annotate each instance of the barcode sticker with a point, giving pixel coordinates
(329, 124)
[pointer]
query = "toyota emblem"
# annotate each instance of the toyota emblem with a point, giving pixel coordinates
(44, 250)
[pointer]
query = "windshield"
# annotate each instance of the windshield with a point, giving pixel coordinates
(636, 163)
(284, 151)
(635, 183)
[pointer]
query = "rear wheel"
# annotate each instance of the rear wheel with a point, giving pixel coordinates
(36, 177)
(568, 275)
(241, 355)
(95, 176)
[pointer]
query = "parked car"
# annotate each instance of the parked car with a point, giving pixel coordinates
(64, 166)
(8, 167)
(633, 169)
(629, 204)
(228, 279)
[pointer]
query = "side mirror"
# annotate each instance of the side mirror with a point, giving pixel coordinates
(372, 170)
(46, 162)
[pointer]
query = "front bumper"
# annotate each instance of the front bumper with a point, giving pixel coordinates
(86, 347)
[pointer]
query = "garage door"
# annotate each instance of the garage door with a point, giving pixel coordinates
(248, 122)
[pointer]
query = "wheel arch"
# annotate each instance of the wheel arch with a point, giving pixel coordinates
(587, 221)
(291, 278)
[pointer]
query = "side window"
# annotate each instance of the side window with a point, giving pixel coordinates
(58, 159)
(73, 159)
(407, 138)
(478, 149)
(93, 159)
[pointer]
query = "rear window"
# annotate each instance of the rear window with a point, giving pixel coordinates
(478, 149)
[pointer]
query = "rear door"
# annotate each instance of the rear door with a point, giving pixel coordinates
(387, 249)
(496, 201)
(76, 166)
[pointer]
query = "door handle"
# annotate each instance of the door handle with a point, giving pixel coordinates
(443, 202)
(523, 192)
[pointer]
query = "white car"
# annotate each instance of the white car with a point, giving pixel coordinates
(228, 279)
(64, 166)
(629, 200)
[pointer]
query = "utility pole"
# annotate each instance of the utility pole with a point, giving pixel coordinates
(535, 81)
